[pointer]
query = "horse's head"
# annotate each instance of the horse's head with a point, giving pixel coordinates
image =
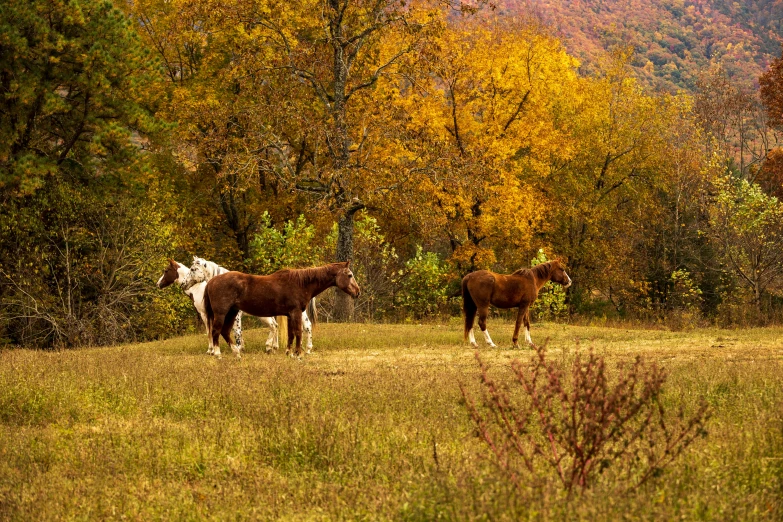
(199, 270)
(345, 280)
(558, 274)
(173, 272)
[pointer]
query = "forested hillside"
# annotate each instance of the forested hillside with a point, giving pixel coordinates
(420, 139)
(673, 40)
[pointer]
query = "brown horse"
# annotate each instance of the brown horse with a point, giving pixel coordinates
(520, 289)
(285, 292)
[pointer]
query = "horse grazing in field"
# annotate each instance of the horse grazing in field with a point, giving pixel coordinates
(285, 292)
(180, 274)
(520, 289)
(202, 271)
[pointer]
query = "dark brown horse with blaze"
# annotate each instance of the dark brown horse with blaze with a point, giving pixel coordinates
(286, 292)
(520, 289)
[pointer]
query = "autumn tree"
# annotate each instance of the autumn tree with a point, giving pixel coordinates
(747, 225)
(600, 197)
(734, 119)
(770, 177)
(341, 49)
(771, 91)
(479, 117)
(215, 86)
(672, 252)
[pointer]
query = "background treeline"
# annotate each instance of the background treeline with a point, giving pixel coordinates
(421, 139)
(673, 40)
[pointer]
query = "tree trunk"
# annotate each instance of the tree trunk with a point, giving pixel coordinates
(343, 303)
(234, 207)
(343, 309)
(757, 295)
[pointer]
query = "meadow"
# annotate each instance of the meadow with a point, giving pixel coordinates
(370, 426)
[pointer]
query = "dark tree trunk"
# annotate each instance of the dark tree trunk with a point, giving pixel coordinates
(339, 145)
(343, 310)
(236, 220)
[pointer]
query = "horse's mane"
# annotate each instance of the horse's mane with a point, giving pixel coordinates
(215, 269)
(212, 269)
(541, 271)
(302, 276)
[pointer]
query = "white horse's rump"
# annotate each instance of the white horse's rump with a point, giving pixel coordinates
(202, 271)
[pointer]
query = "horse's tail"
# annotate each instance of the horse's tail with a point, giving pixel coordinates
(468, 306)
(208, 310)
(312, 311)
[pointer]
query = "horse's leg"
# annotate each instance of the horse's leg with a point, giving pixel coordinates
(527, 327)
(228, 329)
(472, 338)
(295, 322)
(520, 316)
(196, 294)
(470, 317)
(238, 339)
(482, 313)
(217, 327)
(210, 349)
(469, 308)
(308, 332)
(271, 341)
(289, 325)
(295, 331)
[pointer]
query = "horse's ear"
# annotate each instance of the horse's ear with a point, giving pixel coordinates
(348, 264)
(194, 258)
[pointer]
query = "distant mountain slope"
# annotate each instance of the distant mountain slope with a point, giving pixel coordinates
(673, 39)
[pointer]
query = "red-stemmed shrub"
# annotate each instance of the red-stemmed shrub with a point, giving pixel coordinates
(578, 422)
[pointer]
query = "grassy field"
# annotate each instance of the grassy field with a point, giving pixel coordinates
(370, 426)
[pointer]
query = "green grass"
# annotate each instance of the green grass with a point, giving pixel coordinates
(370, 426)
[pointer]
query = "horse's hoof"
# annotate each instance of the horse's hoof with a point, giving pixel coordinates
(474, 345)
(493, 345)
(515, 346)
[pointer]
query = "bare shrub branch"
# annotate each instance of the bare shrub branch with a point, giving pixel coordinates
(577, 423)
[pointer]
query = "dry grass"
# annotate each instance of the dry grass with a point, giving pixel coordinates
(370, 426)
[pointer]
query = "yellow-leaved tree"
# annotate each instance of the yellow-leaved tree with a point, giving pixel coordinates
(234, 114)
(478, 121)
(610, 196)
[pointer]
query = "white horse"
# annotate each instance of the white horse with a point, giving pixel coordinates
(202, 271)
